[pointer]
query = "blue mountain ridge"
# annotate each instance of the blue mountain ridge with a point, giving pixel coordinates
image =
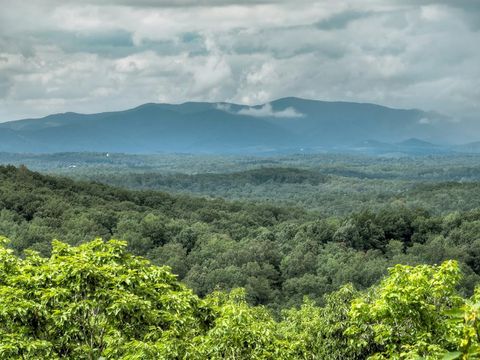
(284, 125)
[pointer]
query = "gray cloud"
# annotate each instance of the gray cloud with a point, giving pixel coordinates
(91, 56)
(189, 3)
(341, 20)
(163, 3)
(467, 5)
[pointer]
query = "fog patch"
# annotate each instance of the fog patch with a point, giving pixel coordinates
(267, 111)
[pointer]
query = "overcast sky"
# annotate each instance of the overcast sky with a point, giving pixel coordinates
(92, 56)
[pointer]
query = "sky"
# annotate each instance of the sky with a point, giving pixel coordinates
(91, 56)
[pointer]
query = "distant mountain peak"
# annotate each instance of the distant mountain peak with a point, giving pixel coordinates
(283, 125)
(416, 142)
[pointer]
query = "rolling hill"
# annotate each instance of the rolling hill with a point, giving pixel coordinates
(284, 125)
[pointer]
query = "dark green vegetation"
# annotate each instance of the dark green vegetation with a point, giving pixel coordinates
(310, 239)
(285, 125)
(97, 301)
(329, 184)
(278, 254)
(328, 194)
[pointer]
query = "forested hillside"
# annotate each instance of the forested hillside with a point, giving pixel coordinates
(330, 194)
(278, 254)
(332, 184)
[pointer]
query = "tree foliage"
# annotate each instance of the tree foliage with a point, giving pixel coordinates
(97, 301)
(91, 301)
(278, 254)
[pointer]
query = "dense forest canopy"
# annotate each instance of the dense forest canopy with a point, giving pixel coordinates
(98, 301)
(278, 254)
(300, 263)
(332, 184)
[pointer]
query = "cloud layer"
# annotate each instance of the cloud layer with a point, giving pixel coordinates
(267, 111)
(91, 56)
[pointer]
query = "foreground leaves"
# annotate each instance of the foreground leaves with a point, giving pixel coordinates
(94, 300)
(97, 301)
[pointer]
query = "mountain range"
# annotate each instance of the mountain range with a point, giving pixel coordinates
(284, 125)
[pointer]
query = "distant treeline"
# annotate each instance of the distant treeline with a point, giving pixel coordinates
(211, 182)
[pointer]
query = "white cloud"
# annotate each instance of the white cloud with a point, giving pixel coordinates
(434, 12)
(266, 110)
(224, 107)
(90, 56)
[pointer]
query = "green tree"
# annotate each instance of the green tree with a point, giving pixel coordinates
(91, 301)
(241, 332)
(405, 317)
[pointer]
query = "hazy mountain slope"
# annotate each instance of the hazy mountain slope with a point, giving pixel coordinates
(153, 128)
(11, 141)
(336, 123)
(284, 125)
(473, 147)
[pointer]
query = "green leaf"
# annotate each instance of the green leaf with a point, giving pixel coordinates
(452, 355)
